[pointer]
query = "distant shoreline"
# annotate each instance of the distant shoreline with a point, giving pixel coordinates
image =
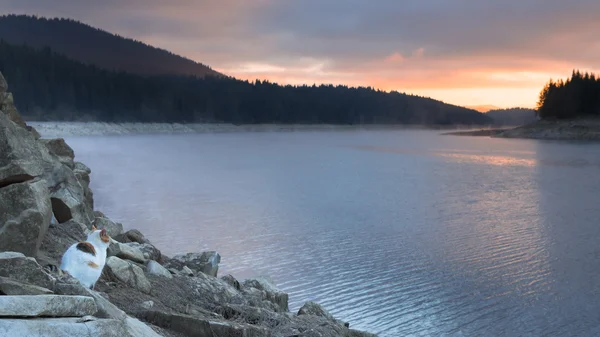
(573, 129)
(73, 129)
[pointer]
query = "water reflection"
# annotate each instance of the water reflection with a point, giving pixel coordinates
(400, 233)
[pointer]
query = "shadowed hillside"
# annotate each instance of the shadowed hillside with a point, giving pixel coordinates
(90, 45)
(49, 86)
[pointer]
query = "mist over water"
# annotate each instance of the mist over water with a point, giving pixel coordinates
(398, 232)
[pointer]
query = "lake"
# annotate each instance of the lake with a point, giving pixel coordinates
(398, 232)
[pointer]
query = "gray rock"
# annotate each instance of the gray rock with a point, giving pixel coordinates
(7, 106)
(46, 306)
(312, 308)
(24, 269)
(232, 281)
(112, 228)
(147, 305)
(79, 166)
(223, 328)
(155, 268)
(23, 155)
(11, 287)
(59, 327)
(128, 273)
(105, 308)
(83, 177)
(206, 262)
(25, 213)
(135, 328)
(125, 252)
(272, 293)
(59, 148)
(3, 84)
(150, 252)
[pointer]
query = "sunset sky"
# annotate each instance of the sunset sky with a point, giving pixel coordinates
(466, 52)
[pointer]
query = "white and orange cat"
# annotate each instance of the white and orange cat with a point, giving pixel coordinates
(85, 260)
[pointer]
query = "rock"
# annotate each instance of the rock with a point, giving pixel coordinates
(24, 269)
(112, 228)
(155, 268)
(128, 273)
(186, 271)
(105, 308)
(59, 148)
(33, 131)
(59, 327)
(25, 213)
(79, 166)
(150, 252)
(185, 324)
(147, 305)
(310, 325)
(87, 318)
(12, 287)
(252, 315)
(23, 155)
(206, 262)
(7, 106)
(46, 306)
(232, 281)
(3, 84)
(135, 328)
(272, 293)
(136, 236)
(125, 252)
(83, 178)
(58, 239)
(312, 308)
(231, 329)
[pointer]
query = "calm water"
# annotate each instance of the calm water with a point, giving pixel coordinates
(398, 232)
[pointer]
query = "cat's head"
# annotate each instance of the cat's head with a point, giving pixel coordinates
(99, 236)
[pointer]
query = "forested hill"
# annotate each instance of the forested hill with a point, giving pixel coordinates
(50, 86)
(512, 116)
(90, 45)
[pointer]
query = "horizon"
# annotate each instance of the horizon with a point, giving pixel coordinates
(432, 49)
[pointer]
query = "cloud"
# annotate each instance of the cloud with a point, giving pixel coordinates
(436, 46)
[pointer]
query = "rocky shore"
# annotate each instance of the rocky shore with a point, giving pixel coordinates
(587, 129)
(47, 205)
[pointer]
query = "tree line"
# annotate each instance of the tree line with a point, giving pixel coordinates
(577, 96)
(50, 86)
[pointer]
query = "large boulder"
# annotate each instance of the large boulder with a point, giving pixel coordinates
(46, 306)
(271, 293)
(25, 213)
(128, 273)
(105, 308)
(22, 155)
(18, 267)
(206, 262)
(132, 235)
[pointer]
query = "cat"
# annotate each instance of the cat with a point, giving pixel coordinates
(85, 260)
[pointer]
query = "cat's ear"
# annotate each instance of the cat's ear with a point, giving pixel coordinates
(94, 228)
